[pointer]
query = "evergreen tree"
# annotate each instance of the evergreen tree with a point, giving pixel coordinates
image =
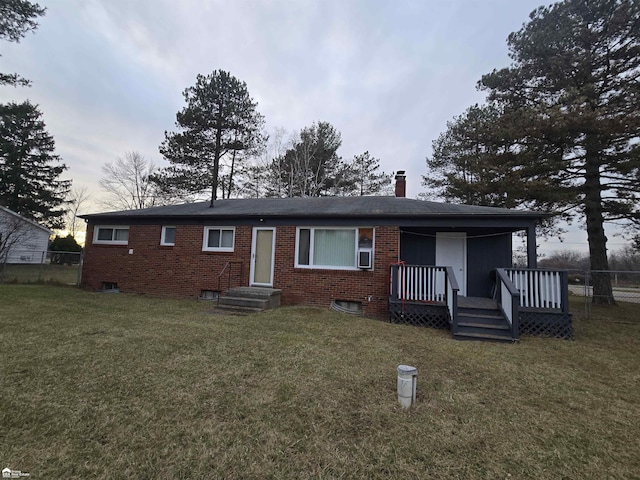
(568, 117)
(17, 17)
(64, 244)
(29, 168)
(220, 121)
(364, 178)
(65, 250)
(311, 166)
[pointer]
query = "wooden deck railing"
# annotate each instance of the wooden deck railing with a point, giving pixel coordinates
(422, 283)
(541, 289)
(508, 300)
(452, 299)
(419, 283)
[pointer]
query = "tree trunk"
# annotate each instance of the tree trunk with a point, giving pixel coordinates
(600, 277)
(231, 172)
(216, 167)
(216, 153)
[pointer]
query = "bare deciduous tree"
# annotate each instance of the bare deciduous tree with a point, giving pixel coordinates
(76, 198)
(127, 183)
(13, 232)
(263, 175)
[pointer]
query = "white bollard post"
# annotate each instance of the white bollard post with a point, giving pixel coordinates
(407, 379)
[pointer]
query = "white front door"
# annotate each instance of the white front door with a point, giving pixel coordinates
(451, 251)
(262, 256)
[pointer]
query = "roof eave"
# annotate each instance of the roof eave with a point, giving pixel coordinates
(528, 215)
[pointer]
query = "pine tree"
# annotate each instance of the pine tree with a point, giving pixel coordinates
(568, 119)
(30, 183)
(364, 177)
(17, 17)
(220, 121)
(311, 166)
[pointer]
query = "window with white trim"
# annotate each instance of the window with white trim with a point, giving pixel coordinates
(168, 237)
(331, 247)
(218, 239)
(111, 235)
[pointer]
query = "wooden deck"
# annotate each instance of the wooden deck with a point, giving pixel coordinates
(477, 302)
(480, 318)
(528, 301)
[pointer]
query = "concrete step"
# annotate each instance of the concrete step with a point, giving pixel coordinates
(270, 295)
(237, 310)
(232, 301)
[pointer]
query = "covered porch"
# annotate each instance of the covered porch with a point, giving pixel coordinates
(459, 275)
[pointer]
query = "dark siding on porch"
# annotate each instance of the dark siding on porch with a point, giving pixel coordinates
(487, 249)
(484, 255)
(417, 249)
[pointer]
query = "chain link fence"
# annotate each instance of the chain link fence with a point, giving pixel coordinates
(625, 286)
(62, 268)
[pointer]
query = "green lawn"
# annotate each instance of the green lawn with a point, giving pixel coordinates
(122, 386)
(39, 273)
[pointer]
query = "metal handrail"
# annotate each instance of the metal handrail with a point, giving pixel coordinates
(228, 267)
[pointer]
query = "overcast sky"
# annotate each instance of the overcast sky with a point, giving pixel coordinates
(109, 75)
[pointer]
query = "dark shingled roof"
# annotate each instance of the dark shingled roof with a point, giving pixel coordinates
(343, 207)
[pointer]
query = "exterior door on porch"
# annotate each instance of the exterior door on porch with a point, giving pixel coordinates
(262, 256)
(451, 251)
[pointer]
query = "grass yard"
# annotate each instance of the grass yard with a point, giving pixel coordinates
(122, 386)
(39, 273)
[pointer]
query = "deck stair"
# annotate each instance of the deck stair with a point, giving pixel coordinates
(481, 319)
(249, 299)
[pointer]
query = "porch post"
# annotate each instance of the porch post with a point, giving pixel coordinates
(532, 254)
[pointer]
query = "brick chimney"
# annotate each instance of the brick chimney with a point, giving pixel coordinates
(401, 184)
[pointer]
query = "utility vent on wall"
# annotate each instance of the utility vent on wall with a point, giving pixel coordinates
(347, 306)
(109, 287)
(209, 295)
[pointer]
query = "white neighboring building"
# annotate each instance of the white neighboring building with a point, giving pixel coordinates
(22, 240)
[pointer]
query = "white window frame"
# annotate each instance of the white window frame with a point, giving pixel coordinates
(162, 236)
(332, 267)
(113, 228)
(205, 238)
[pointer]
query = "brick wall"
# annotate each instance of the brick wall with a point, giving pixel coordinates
(320, 287)
(184, 270)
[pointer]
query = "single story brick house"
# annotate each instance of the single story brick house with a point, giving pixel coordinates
(315, 250)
